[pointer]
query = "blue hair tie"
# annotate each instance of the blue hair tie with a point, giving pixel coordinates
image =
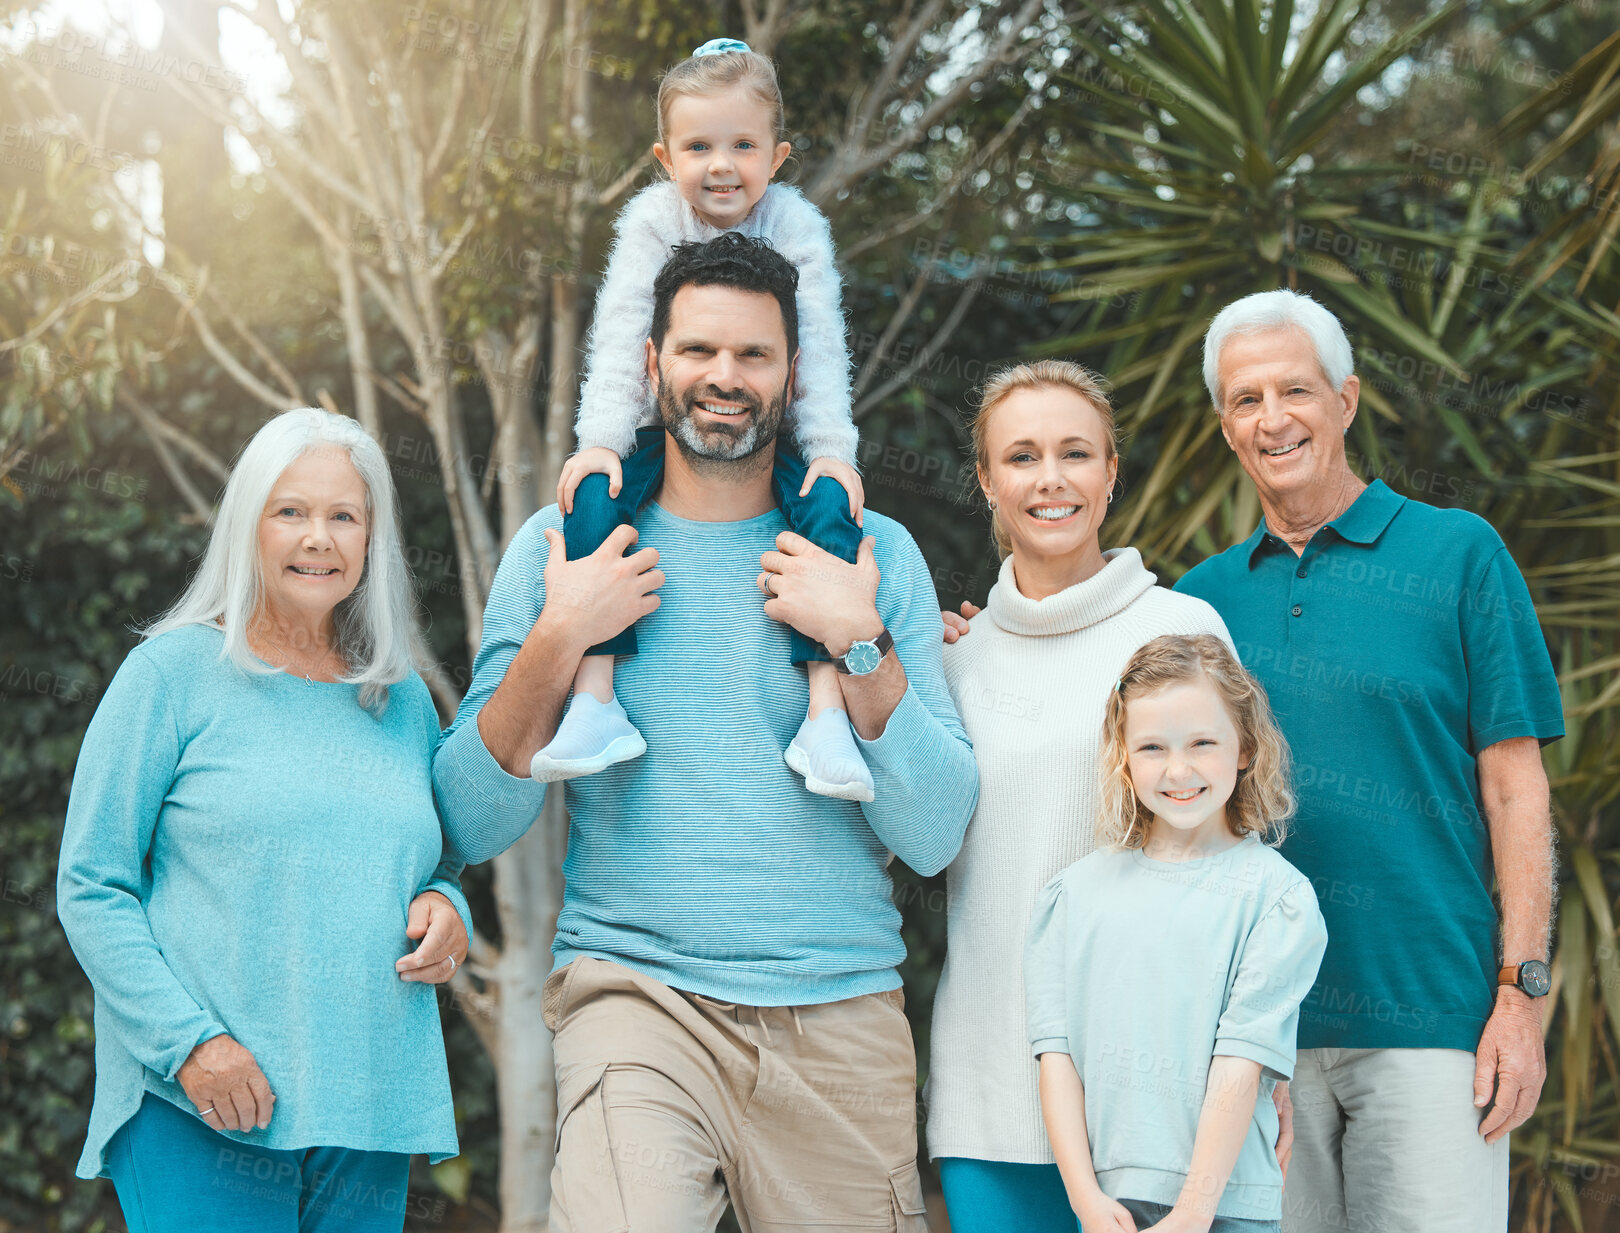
(716, 47)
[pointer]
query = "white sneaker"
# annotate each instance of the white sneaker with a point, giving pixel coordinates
(592, 737)
(824, 752)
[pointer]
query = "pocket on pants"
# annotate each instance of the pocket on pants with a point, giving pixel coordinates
(554, 994)
(910, 1212)
(586, 1170)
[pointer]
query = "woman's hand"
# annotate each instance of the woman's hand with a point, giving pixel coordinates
(1100, 1214)
(225, 1083)
(434, 919)
(598, 460)
(844, 475)
(956, 626)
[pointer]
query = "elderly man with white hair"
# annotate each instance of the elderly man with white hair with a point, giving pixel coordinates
(1401, 651)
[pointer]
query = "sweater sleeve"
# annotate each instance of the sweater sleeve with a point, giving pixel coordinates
(126, 767)
(615, 399)
(1046, 966)
(485, 808)
(446, 878)
(822, 427)
(926, 781)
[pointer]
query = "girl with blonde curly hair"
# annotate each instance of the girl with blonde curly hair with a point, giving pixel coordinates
(1164, 972)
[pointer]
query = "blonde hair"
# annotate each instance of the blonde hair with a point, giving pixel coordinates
(1040, 375)
(710, 74)
(1263, 800)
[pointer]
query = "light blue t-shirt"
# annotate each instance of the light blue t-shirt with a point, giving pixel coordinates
(240, 856)
(1142, 971)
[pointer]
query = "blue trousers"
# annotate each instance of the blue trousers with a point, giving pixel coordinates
(822, 517)
(1148, 1214)
(994, 1196)
(174, 1174)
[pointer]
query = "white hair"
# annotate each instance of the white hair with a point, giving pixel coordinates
(1278, 310)
(375, 622)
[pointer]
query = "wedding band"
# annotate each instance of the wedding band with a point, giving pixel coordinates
(770, 588)
(206, 1111)
(452, 959)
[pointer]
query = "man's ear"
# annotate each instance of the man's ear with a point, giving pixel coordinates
(1350, 398)
(652, 365)
(793, 376)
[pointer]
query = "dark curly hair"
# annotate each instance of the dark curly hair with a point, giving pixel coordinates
(728, 260)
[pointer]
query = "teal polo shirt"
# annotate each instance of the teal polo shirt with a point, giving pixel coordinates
(1400, 643)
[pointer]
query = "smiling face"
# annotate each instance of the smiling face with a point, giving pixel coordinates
(723, 372)
(720, 151)
(1280, 415)
(1182, 749)
(313, 536)
(1048, 472)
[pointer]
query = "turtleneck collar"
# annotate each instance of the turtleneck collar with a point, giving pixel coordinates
(1112, 589)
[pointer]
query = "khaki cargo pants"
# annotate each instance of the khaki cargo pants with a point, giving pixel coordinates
(668, 1102)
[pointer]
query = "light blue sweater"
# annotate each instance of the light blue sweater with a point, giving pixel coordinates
(239, 857)
(706, 863)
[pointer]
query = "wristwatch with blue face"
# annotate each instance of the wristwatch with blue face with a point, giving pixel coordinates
(1532, 977)
(864, 657)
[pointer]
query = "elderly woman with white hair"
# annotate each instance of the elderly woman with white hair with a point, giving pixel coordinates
(253, 872)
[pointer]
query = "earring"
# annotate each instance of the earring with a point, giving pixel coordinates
(991, 503)
(1110, 500)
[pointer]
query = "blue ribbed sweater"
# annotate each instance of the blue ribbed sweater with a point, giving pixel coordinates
(239, 857)
(705, 863)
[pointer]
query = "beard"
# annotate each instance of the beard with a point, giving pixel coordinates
(722, 442)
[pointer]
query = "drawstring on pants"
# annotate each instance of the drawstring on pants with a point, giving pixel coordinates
(765, 1028)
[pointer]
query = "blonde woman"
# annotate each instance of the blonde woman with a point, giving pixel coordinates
(1165, 971)
(253, 872)
(1030, 682)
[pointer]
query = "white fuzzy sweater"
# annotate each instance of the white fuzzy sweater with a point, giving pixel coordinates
(616, 398)
(1030, 681)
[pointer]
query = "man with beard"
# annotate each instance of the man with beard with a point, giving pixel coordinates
(727, 1010)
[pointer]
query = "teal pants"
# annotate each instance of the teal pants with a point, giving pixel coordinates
(994, 1196)
(174, 1174)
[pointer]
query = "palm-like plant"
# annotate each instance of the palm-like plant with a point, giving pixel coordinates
(1207, 161)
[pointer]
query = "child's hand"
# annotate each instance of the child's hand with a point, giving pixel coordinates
(598, 460)
(1104, 1215)
(845, 475)
(956, 626)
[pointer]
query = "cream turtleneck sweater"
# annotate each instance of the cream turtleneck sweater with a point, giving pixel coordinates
(1030, 682)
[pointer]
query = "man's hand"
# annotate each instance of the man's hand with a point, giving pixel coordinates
(602, 595)
(822, 597)
(1285, 1126)
(434, 919)
(1512, 1058)
(225, 1083)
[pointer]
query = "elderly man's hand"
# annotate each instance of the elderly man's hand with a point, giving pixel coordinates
(1512, 1058)
(434, 919)
(225, 1083)
(821, 596)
